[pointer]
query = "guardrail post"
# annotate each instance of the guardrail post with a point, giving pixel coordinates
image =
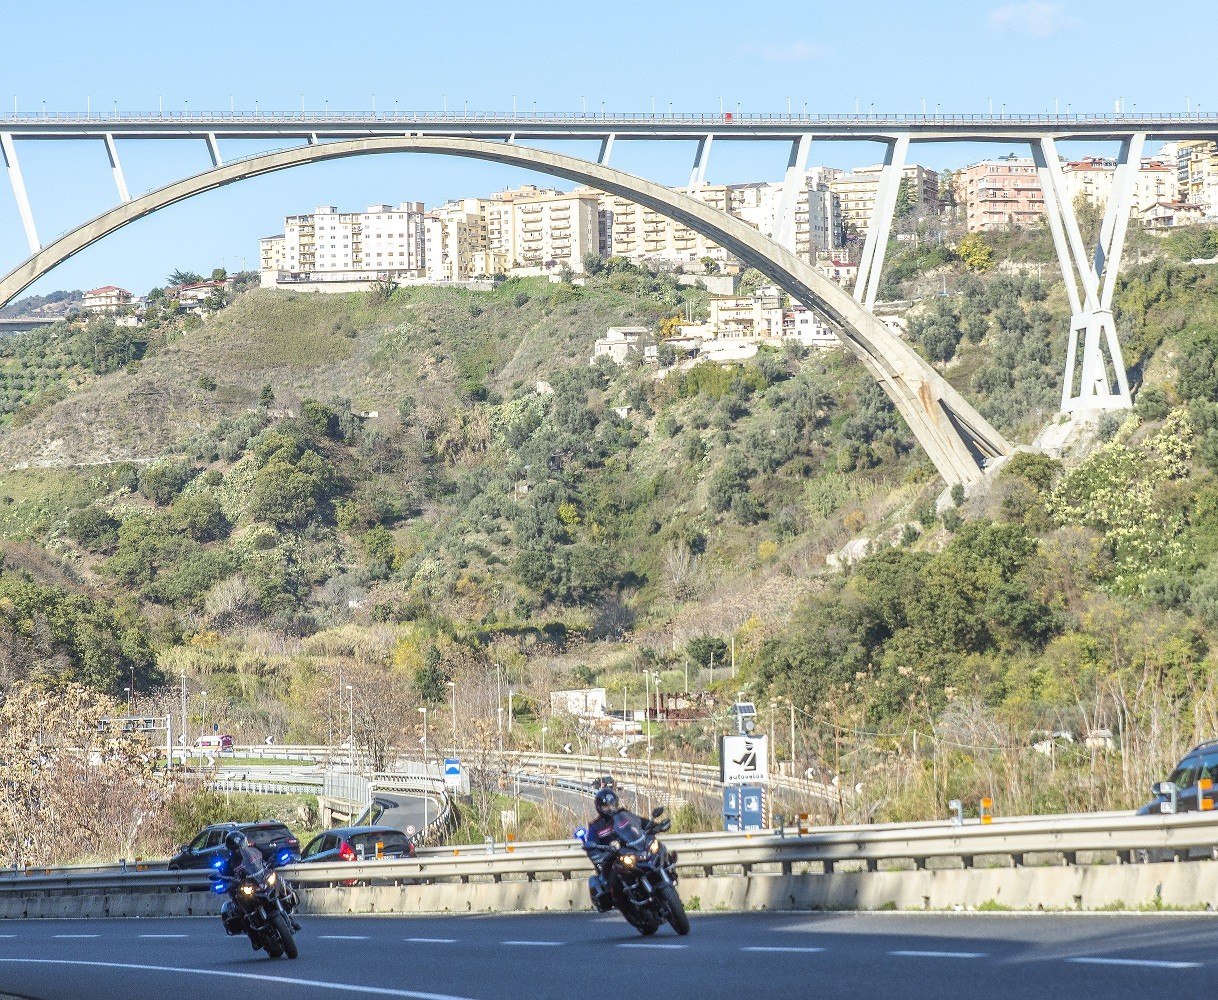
(957, 808)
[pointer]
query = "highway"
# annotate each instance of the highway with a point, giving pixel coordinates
(539, 956)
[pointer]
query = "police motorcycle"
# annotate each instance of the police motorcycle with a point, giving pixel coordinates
(260, 904)
(642, 873)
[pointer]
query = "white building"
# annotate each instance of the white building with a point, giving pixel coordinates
(619, 342)
(453, 241)
(1091, 179)
(328, 245)
(107, 300)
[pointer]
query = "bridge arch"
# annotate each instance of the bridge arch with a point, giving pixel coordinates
(957, 438)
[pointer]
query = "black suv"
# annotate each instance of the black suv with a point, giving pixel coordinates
(276, 842)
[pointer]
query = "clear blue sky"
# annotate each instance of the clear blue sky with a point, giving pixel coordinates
(955, 54)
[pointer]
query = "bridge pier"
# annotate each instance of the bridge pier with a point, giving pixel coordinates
(8, 152)
(867, 284)
(1096, 380)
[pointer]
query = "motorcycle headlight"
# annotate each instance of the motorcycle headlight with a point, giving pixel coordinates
(247, 889)
(628, 860)
(270, 879)
(655, 847)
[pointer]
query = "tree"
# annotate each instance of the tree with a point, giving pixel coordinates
(710, 265)
(180, 277)
(975, 253)
(266, 396)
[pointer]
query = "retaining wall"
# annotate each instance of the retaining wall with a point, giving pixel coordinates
(1184, 885)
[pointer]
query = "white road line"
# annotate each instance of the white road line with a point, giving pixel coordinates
(780, 948)
(76, 935)
(342, 937)
(162, 935)
(431, 940)
(640, 944)
(320, 984)
(939, 954)
(1148, 963)
(535, 944)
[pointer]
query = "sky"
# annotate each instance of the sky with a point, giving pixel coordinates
(881, 55)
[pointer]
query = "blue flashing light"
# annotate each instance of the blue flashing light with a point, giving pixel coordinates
(581, 834)
(219, 888)
(219, 863)
(284, 857)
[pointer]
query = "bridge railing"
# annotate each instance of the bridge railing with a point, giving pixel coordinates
(1071, 839)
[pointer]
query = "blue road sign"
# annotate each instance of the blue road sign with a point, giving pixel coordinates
(751, 798)
(452, 766)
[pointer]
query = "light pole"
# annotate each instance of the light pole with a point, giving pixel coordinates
(453, 685)
(511, 695)
(183, 708)
(544, 730)
(423, 711)
(499, 703)
(350, 729)
(128, 690)
(203, 721)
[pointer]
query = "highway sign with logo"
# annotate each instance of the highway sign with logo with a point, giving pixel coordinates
(454, 776)
(743, 759)
(743, 807)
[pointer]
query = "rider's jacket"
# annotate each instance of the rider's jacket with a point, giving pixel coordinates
(600, 833)
(246, 861)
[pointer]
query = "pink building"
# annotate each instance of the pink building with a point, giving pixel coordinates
(998, 193)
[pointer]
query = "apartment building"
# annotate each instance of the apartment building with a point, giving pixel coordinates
(1197, 175)
(856, 193)
(1001, 192)
(328, 245)
(553, 229)
(453, 241)
(1091, 179)
(630, 230)
(106, 301)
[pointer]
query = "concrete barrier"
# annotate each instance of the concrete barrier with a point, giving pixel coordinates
(1183, 885)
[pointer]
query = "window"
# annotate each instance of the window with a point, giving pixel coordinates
(1185, 776)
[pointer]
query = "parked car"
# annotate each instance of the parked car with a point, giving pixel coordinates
(276, 842)
(358, 843)
(1199, 762)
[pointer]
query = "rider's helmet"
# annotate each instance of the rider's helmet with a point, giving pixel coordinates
(234, 840)
(606, 802)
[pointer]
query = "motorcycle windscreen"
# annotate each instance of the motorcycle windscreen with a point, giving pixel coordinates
(627, 829)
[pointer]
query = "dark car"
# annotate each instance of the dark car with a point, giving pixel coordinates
(1200, 762)
(358, 843)
(276, 842)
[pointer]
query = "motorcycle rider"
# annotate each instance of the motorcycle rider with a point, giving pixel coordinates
(603, 885)
(245, 859)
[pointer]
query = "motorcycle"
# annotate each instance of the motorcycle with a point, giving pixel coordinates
(642, 874)
(260, 904)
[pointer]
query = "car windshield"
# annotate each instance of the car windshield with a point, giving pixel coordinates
(264, 836)
(1185, 774)
(392, 842)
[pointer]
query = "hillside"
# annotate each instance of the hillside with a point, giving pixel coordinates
(511, 516)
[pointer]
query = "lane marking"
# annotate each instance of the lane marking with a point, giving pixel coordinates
(781, 948)
(1147, 963)
(431, 940)
(342, 937)
(319, 984)
(162, 935)
(76, 935)
(640, 944)
(939, 954)
(534, 944)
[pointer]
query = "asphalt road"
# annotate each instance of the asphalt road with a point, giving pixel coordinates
(863, 956)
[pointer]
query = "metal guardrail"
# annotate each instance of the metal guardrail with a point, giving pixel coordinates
(1060, 839)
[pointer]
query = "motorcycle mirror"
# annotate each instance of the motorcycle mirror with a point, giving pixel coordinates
(657, 812)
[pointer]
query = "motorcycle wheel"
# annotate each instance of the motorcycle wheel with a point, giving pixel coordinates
(644, 923)
(677, 916)
(283, 929)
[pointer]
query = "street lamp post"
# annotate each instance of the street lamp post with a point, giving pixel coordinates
(511, 695)
(453, 685)
(128, 690)
(544, 730)
(203, 721)
(499, 703)
(423, 711)
(350, 729)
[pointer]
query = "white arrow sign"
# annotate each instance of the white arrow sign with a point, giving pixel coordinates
(621, 751)
(270, 740)
(566, 748)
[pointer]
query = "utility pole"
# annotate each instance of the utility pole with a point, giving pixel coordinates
(183, 708)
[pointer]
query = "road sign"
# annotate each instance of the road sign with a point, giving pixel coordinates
(269, 741)
(743, 807)
(566, 748)
(743, 759)
(215, 727)
(622, 750)
(455, 778)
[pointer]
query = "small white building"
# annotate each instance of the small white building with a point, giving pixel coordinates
(619, 342)
(587, 703)
(802, 325)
